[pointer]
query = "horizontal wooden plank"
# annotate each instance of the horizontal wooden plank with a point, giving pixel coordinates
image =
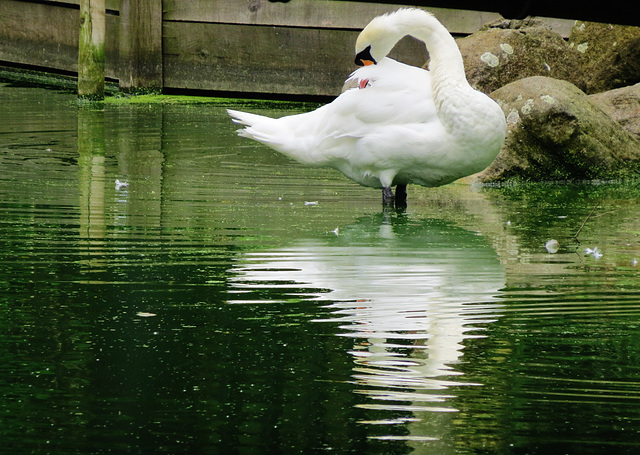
(113, 5)
(289, 60)
(309, 13)
(46, 36)
(300, 47)
(28, 37)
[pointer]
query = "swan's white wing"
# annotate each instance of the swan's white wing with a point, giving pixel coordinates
(363, 132)
(397, 94)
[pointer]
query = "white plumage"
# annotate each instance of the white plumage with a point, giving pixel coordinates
(403, 124)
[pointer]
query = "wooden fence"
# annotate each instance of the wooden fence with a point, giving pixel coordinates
(252, 47)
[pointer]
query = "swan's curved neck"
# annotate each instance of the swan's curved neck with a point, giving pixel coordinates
(446, 65)
(446, 61)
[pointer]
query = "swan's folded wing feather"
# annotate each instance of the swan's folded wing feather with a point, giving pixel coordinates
(371, 110)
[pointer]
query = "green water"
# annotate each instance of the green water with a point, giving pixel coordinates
(167, 287)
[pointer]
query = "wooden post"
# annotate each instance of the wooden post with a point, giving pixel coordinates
(141, 45)
(91, 55)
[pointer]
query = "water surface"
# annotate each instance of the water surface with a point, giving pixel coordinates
(167, 287)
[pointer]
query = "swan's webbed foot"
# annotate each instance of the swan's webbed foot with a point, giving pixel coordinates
(388, 198)
(399, 200)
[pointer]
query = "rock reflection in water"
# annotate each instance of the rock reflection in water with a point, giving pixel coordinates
(409, 292)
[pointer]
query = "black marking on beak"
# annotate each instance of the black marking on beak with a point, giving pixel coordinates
(364, 57)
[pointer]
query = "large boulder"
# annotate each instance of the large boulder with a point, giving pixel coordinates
(622, 105)
(609, 54)
(557, 133)
(507, 50)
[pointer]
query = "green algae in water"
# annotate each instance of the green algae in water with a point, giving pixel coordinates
(171, 99)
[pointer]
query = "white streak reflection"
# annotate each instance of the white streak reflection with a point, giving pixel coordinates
(409, 294)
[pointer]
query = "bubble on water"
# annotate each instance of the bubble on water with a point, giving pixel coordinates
(552, 246)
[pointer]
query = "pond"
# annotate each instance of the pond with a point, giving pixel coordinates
(168, 287)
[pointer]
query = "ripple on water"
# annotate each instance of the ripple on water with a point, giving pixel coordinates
(207, 288)
(392, 294)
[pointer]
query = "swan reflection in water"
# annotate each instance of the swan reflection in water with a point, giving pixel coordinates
(408, 292)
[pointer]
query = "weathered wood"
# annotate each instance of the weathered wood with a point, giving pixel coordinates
(327, 14)
(46, 36)
(113, 5)
(141, 45)
(310, 13)
(28, 35)
(91, 49)
(252, 59)
(302, 47)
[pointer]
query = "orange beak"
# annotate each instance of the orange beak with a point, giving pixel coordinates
(364, 58)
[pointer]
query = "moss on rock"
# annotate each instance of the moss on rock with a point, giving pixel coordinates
(609, 54)
(557, 133)
(508, 50)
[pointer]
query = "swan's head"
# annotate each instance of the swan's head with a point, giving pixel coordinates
(378, 38)
(374, 42)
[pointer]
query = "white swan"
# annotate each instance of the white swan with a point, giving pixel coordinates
(402, 125)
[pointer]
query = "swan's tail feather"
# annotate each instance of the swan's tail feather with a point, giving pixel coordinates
(257, 127)
(244, 118)
(279, 134)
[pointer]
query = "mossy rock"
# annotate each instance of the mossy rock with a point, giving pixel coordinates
(507, 50)
(609, 54)
(555, 132)
(623, 105)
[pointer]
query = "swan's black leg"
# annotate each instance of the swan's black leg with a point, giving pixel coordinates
(401, 196)
(388, 199)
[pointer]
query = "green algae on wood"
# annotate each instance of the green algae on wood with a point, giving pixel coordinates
(91, 53)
